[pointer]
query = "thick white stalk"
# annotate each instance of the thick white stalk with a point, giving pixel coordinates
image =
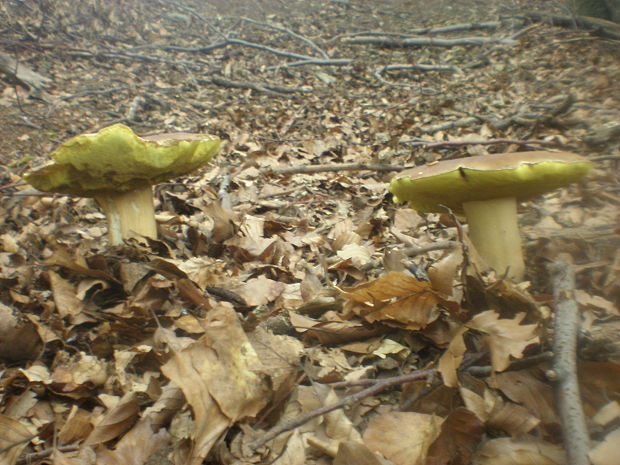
(494, 231)
(129, 213)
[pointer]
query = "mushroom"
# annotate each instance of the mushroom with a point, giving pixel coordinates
(117, 168)
(486, 189)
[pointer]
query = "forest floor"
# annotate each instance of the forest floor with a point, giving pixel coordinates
(290, 312)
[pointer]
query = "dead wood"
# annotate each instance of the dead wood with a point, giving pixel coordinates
(570, 408)
(421, 31)
(597, 26)
(429, 144)
(307, 41)
(274, 91)
(21, 73)
(429, 41)
(335, 167)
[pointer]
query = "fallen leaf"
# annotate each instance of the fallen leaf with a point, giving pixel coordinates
(402, 437)
(505, 337)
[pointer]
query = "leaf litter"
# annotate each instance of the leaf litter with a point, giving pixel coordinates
(272, 296)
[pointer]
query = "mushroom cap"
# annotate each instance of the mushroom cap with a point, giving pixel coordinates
(451, 183)
(115, 159)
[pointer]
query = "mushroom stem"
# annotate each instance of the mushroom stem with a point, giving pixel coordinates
(494, 231)
(129, 213)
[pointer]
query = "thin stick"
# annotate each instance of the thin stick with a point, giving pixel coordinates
(345, 401)
(572, 417)
(419, 250)
(311, 44)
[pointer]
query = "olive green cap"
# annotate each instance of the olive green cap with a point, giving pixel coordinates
(115, 159)
(451, 183)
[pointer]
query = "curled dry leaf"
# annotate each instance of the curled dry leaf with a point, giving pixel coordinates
(607, 451)
(19, 339)
(394, 297)
(219, 375)
(523, 451)
(505, 337)
(14, 437)
(402, 437)
(116, 421)
(460, 434)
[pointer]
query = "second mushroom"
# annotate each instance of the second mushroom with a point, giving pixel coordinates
(486, 190)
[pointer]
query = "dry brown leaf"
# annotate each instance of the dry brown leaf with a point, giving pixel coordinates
(14, 437)
(607, 451)
(294, 453)
(451, 359)
(356, 453)
(523, 451)
(19, 339)
(65, 297)
(83, 374)
(402, 437)
(260, 291)
(219, 376)
(116, 421)
(77, 426)
(608, 413)
(135, 447)
(60, 458)
(395, 296)
(505, 337)
(444, 275)
(460, 435)
(530, 389)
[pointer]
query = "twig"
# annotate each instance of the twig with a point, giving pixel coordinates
(21, 73)
(336, 167)
(311, 44)
(131, 56)
(458, 143)
(403, 67)
(134, 106)
(222, 193)
(345, 401)
(86, 93)
(572, 417)
(605, 157)
(313, 61)
(437, 30)
(376, 388)
(418, 250)
(429, 41)
(275, 51)
(32, 457)
(217, 80)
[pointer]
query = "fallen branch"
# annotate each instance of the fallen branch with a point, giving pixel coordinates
(122, 55)
(313, 61)
(21, 73)
(348, 400)
(430, 41)
(421, 249)
(458, 143)
(598, 26)
(336, 167)
(550, 112)
(275, 91)
(378, 73)
(421, 31)
(564, 373)
(400, 67)
(379, 386)
(307, 41)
